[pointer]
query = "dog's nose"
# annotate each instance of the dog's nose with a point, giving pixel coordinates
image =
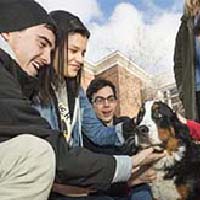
(143, 129)
(142, 138)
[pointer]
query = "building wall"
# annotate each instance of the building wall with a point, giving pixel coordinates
(86, 77)
(128, 89)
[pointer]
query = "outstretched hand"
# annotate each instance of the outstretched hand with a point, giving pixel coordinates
(142, 177)
(146, 157)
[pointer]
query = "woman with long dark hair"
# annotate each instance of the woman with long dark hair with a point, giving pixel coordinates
(77, 115)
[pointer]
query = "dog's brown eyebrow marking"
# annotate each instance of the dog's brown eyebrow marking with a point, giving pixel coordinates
(168, 135)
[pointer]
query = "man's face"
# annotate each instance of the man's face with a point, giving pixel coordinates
(104, 104)
(75, 54)
(32, 47)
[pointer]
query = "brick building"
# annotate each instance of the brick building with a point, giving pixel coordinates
(128, 78)
(87, 74)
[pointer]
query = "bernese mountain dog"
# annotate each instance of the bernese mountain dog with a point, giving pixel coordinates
(166, 132)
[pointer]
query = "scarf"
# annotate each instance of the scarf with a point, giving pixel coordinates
(67, 124)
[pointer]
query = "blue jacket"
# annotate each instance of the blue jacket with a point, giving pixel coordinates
(87, 123)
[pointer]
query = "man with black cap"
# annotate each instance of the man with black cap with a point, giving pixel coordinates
(27, 166)
(27, 163)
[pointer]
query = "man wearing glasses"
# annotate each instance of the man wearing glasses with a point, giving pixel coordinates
(103, 97)
(104, 101)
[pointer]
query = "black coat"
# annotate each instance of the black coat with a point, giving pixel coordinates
(78, 166)
(184, 66)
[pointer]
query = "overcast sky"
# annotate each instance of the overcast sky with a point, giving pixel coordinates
(144, 30)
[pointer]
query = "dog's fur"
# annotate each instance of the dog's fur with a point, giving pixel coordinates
(183, 161)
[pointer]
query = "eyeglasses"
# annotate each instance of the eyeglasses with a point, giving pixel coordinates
(101, 100)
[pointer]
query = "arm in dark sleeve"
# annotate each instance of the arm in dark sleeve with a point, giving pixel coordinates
(81, 167)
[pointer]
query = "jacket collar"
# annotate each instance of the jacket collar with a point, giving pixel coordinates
(6, 47)
(28, 84)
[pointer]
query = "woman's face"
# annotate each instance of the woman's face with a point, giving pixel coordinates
(193, 6)
(75, 54)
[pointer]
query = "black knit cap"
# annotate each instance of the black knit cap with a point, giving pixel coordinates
(16, 15)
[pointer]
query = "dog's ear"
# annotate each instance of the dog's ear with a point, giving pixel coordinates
(163, 115)
(182, 132)
(166, 111)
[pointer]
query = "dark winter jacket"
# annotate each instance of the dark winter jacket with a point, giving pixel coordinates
(76, 166)
(184, 67)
